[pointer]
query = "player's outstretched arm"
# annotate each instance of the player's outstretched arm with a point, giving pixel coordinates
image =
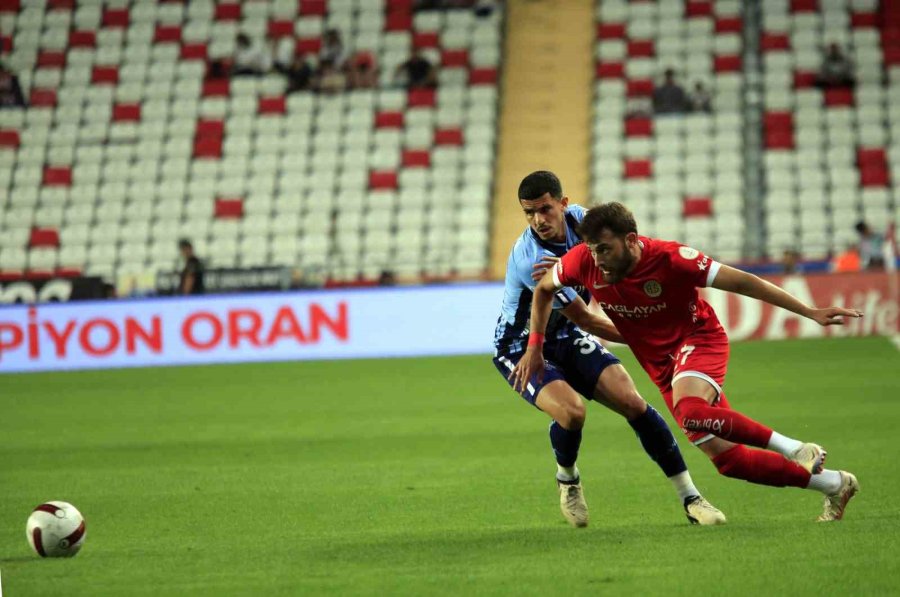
(741, 282)
(598, 325)
(532, 362)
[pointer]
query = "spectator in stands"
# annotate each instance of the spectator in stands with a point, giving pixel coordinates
(848, 261)
(300, 75)
(192, 273)
(701, 98)
(332, 73)
(836, 69)
(417, 71)
(10, 90)
(871, 247)
(670, 98)
(362, 71)
(638, 107)
(791, 262)
(283, 55)
(250, 58)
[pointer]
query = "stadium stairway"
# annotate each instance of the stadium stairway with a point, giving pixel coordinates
(546, 108)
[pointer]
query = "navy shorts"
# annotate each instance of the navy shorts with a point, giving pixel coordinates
(578, 360)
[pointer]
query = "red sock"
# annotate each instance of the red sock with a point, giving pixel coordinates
(695, 414)
(762, 467)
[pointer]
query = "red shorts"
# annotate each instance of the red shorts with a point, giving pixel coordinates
(704, 356)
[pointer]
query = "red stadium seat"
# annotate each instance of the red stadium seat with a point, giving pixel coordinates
(51, 58)
(426, 39)
(105, 75)
(308, 45)
(228, 12)
(313, 8)
(779, 140)
(216, 88)
(193, 51)
(229, 208)
(698, 8)
(804, 6)
(697, 207)
(400, 5)
(874, 176)
(864, 19)
(611, 31)
(611, 70)
(115, 17)
(273, 105)
(778, 121)
(805, 79)
(57, 176)
(448, 136)
(10, 138)
(389, 120)
(769, 42)
(82, 39)
(421, 98)
(839, 97)
(641, 48)
(385, 180)
(892, 56)
(729, 25)
(42, 98)
(640, 88)
(167, 33)
(639, 127)
(638, 168)
(415, 158)
(208, 148)
(483, 76)
(728, 64)
(398, 21)
(10, 6)
(43, 237)
(68, 272)
(281, 28)
(61, 4)
(6, 44)
(453, 58)
(126, 112)
(871, 156)
(210, 128)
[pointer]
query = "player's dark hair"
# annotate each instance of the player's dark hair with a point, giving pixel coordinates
(185, 244)
(537, 184)
(613, 216)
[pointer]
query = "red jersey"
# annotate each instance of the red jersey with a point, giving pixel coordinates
(657, 306)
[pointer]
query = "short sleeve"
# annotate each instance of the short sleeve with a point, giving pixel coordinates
(562, 299)
(700, 269)
(567, 271)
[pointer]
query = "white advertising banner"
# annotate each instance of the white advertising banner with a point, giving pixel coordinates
(357, 323)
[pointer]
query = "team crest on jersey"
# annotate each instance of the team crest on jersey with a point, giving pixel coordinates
(688, 253)
(652, 288)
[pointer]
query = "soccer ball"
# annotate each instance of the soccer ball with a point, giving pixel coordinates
(55, 530)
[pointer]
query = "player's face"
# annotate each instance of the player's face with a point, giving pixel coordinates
(546, 216)
(613, 255)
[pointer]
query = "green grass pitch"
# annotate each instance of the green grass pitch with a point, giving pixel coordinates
(429, 476)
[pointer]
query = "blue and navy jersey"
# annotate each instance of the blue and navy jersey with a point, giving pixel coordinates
(511, 334)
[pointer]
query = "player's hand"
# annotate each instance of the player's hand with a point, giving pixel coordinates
(530, 365)
(541, 267)
(833, 315)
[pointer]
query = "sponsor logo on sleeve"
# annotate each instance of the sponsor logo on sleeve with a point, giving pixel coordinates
(688, 252)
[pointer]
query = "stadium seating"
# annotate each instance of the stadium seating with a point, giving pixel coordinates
(680, 174)
(831, 155)
(126, 146)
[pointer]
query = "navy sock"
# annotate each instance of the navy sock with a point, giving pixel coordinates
(565, 444)
(658, 442)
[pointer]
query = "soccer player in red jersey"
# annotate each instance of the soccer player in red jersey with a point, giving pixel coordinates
(648, 287)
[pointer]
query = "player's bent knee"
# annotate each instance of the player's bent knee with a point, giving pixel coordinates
(573, 415)
(732, 462)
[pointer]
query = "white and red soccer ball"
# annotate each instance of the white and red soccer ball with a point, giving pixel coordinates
(56, 530)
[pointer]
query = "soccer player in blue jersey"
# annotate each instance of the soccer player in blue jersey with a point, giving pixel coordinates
(575, 362)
